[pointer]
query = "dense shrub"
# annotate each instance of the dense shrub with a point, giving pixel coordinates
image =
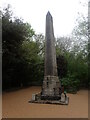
(71, 83)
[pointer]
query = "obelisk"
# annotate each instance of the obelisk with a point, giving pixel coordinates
(51, 84)
(51, 89)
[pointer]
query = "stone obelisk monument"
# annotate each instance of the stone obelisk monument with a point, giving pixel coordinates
(51, 89)
(51, 84)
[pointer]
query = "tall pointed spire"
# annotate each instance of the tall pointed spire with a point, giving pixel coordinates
(48, 13)
(51, 83)
(50, 52)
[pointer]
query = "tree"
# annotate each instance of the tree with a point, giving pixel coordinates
(75, 51)
(14, 32)
(63, 44)
(80, 34)
(80, 49)
(40, 41)
(61, 66)
(34, 67)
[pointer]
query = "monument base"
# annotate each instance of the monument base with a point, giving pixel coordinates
(43, 97)
(60, 100)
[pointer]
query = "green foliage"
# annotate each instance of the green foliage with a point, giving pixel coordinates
(34, 62)
(40, 41)
(78, 65)
(75, 52)
(23, 60)
(14, 32)
(71, 83)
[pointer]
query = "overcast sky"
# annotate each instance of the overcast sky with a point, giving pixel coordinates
(64, 13)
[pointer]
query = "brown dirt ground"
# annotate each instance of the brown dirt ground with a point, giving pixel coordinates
(15, 105)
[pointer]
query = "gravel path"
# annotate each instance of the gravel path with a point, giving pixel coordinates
(15, 105)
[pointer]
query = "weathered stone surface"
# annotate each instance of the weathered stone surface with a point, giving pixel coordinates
(51, 89)
(50, 52)
(33, 97)
(62, 98)
(51, 84)
(49, 101)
